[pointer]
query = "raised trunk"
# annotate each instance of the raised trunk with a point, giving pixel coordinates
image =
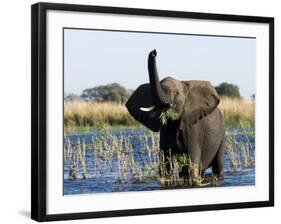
(157, 92)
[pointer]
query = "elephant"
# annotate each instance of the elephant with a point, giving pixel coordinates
(194, 128)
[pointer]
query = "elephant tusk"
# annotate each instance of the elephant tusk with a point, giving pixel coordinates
(147, 109)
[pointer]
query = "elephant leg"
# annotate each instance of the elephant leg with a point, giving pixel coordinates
(195, 163)
(218, 162)
(167, 154)
(164, 168)
(184, 172)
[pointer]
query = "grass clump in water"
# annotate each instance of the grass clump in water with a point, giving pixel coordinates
(115, 154)
(171, 169)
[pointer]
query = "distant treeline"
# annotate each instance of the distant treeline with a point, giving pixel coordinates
(116, 93)
(113, 92)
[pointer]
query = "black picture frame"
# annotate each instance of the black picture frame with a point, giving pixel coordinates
(39, 114)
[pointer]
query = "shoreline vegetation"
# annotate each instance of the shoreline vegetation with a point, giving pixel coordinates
(79, 116)
(115, 153)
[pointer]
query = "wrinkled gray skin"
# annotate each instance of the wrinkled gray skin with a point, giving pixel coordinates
(198, 131)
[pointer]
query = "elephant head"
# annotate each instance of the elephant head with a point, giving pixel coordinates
(186, 101)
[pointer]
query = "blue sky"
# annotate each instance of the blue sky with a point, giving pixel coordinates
(93, 57)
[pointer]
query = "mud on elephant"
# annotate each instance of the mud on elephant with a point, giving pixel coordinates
(187, 116)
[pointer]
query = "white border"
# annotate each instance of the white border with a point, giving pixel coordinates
(57, 203)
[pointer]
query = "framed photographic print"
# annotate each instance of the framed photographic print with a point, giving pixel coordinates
(139, 111)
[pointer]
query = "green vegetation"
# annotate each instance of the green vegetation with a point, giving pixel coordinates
(167, 114)
(238, 113)
(111, 153)
(72, 98)
(228, 89)
(107, 93)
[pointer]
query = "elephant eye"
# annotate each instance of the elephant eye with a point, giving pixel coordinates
(177, 93)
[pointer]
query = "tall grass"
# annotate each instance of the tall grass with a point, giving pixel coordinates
(96, 114)
(238, 113)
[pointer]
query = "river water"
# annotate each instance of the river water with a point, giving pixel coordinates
(105, 177)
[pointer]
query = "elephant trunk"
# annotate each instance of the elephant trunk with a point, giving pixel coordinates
(157, 92)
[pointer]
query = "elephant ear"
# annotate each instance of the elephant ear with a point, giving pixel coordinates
(201, 100)
(141, 98)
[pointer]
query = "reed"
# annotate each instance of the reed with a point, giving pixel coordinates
(241, 154)
(116, 155)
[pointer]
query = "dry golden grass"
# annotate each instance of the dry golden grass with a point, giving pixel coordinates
(96, 114)
(238, 113)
